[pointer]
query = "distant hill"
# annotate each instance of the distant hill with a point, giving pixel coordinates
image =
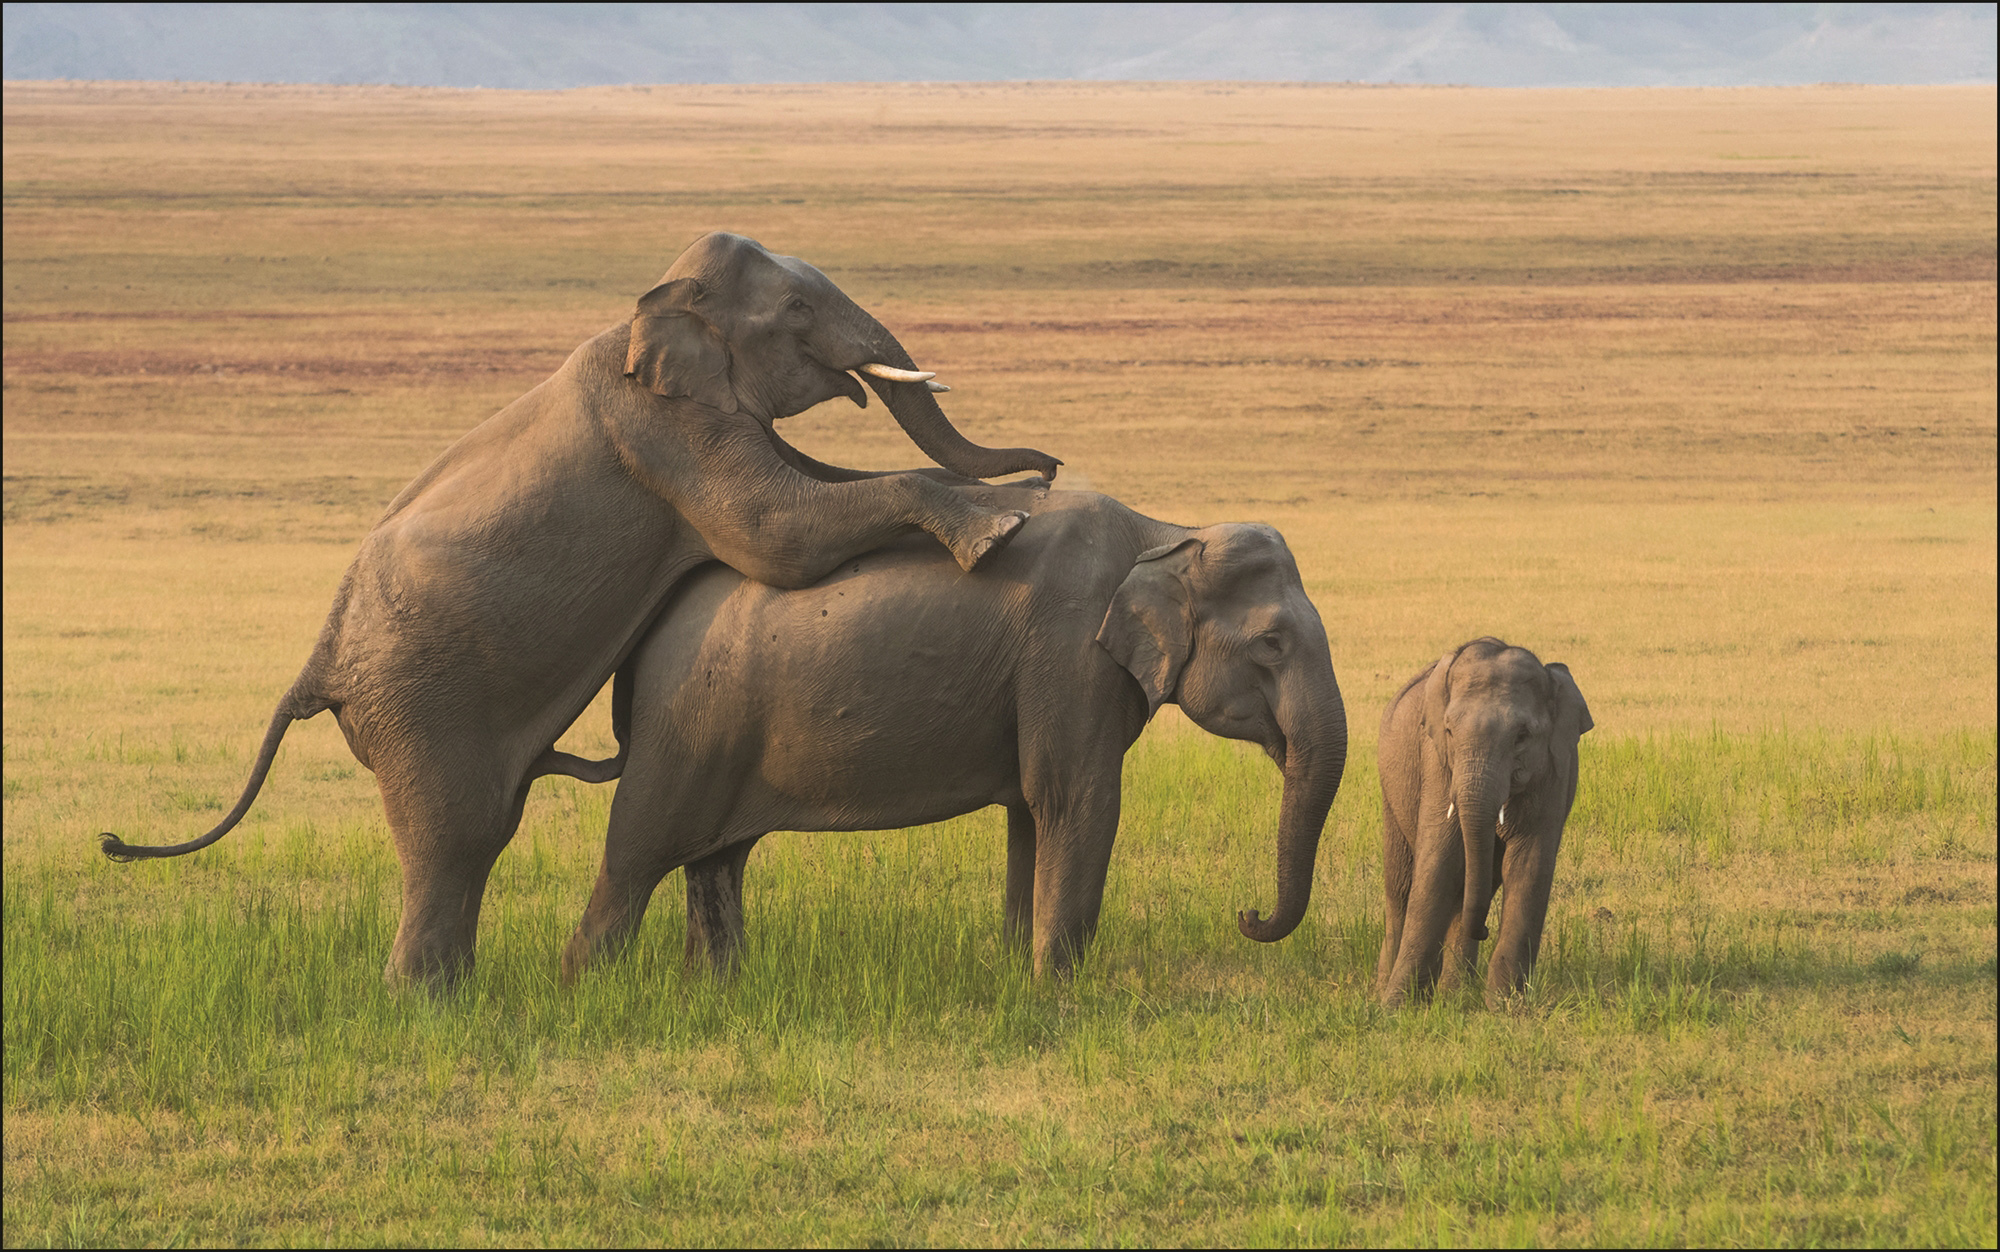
(556, 46)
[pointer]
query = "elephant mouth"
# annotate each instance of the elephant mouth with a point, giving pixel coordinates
(851, 387)
(846, 384)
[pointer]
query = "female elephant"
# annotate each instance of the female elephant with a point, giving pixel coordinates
(505, 585)
(1478, 762)
(897, 692)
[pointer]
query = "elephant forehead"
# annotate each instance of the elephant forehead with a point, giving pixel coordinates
(804, 273)
(716, 255)
(1511, 675)
(1239, 552)
(1246, 542)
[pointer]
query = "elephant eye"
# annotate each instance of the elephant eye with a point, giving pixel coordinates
(1270, 646)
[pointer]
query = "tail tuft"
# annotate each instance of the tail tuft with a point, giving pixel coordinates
(115, 848)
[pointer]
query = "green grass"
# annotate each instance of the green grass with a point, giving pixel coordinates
(1692, 1066)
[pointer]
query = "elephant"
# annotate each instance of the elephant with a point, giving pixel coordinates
(504, 586)
(1478, 761)
(897, 692)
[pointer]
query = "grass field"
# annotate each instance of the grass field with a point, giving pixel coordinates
(1692, 390)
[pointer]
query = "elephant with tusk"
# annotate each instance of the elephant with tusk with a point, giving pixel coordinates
(897, 692)
(1478, 761)
(514, 576)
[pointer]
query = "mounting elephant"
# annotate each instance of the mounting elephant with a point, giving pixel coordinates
(1478, 763)
(897, 692)
(506, 584)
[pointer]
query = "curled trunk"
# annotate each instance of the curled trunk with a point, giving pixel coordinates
(1313, 767)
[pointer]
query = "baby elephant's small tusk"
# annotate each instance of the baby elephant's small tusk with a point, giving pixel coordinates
(935, 386)
(1451, 810)
(1503, 815)
(895, 375)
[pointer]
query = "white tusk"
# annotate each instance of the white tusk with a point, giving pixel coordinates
(1503, 815)
(895, 375)
(1451, 808)
(935, 386)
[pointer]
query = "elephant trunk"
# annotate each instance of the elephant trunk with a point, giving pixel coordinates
(916, 410)
(1315, 759)
(1481, 795)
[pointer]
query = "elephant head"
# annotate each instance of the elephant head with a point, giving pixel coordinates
(1220, 624)
(1500, 731)
(740, 329)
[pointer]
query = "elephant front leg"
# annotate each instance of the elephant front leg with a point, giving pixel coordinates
(1018, 930)
(715, 909)
(1072, 858)
(1435, 903)
(1528, 867)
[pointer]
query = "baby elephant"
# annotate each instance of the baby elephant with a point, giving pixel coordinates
(1478, 761)
(901, 691)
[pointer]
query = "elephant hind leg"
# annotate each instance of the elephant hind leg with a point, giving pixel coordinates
(449, 830)
(715, 909)
(1398, 866)
(617, 906)
(659, 818)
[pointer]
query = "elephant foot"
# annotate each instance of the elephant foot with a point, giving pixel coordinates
(436, 982)
(988, 536)
(575, 957)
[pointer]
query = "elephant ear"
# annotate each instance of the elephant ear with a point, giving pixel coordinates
(1149, 628)
(676, 351)
(1570, 714)
(1437, 695)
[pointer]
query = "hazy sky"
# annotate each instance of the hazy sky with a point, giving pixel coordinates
(553, 46)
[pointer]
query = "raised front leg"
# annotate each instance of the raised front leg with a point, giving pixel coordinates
(715, 909)
(781, 527)
(1019, 928)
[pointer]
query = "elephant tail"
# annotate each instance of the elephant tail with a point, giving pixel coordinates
(289, 710)
(572, 766)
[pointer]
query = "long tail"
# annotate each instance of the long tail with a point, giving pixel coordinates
(554, 762)
(118, 850)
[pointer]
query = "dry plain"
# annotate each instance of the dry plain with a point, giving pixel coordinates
(1692, 390)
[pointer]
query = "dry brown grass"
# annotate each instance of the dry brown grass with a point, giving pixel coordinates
(1694, 389)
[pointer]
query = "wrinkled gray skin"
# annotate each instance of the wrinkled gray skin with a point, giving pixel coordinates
(897, 692)
(506, 584)
(1483, 730)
